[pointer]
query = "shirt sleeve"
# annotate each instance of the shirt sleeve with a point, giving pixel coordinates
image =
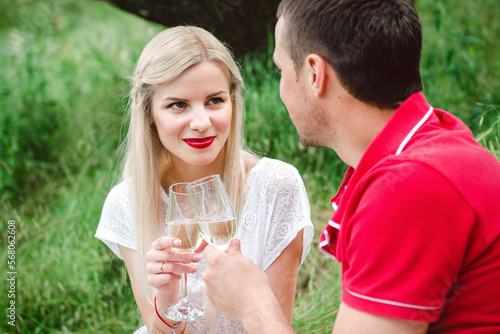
(405, 245)
(289, 213)
(116, 226)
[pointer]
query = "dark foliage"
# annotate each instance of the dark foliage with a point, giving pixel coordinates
(243, 24)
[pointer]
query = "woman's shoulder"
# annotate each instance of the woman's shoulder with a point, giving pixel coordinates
(267, 165)
(119, 194)
(273, 172)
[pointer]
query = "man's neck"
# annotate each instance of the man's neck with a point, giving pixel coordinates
(361, 124)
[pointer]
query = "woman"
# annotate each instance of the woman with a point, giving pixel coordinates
(185, 123)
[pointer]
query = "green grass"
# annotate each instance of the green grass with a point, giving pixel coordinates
(64, 68)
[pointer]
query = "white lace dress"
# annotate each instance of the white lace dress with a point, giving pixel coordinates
(275, 209)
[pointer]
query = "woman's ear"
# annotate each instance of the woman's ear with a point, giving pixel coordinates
(317, 71)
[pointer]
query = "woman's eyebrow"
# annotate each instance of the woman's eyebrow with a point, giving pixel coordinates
(172, 98)
(217, 93)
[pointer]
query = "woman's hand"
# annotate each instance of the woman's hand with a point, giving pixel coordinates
(165, 264)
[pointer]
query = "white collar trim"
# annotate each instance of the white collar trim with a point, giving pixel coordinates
(412, 132)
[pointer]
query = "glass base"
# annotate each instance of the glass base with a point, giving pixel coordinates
(180, 312)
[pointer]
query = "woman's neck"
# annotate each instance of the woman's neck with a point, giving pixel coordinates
(181, 173)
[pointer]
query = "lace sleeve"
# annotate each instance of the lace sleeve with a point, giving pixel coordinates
(290, 214)
(276, 209)
(116, 226)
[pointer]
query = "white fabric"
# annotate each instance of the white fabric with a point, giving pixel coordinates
(275, 209)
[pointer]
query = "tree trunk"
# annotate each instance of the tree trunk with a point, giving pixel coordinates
(245, 25)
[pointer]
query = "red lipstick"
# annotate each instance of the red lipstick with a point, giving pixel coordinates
(200, 143)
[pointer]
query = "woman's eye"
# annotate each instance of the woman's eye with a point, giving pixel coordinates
(215, 100)
(177, 105)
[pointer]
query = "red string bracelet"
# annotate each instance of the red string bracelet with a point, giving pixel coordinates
(166, 323)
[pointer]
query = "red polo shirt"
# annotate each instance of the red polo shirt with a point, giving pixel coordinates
(417, 224)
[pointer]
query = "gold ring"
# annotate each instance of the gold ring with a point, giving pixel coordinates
(161, 267)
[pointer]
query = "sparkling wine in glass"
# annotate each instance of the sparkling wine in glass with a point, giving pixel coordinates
(213, 211)
(181, 224)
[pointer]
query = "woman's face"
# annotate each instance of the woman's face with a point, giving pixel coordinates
(193, 115)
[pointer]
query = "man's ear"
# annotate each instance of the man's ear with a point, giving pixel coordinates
(317, 73)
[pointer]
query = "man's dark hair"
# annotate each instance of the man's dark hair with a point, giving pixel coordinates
(373, 45)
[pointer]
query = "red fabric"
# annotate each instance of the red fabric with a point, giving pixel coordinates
(419, 234)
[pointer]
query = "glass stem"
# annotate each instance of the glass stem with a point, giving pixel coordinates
(184, 300)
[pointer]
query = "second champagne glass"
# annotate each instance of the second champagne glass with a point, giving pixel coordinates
(213, 211)
(181, 224)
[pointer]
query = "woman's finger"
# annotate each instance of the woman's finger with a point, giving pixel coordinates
(160, 281)
(154, 268)
(164, 249)
(172, 255)
(201, 247)
(166, 242)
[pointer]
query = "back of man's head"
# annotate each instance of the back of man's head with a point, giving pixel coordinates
(373, 45)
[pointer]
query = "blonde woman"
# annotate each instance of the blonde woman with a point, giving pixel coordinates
(186, 114)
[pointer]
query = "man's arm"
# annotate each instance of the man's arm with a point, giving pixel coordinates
(352, 321)
(237, 287)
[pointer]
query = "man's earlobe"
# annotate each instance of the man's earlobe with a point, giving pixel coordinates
(317, 73)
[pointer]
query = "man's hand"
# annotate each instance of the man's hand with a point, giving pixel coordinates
(237, 287)
(233, 282)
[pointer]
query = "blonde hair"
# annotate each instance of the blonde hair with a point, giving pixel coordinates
(164, 58)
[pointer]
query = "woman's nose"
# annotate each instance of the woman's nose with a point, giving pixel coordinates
(200, 119)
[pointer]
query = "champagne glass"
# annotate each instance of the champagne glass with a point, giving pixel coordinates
(213, 211)
(181, 224)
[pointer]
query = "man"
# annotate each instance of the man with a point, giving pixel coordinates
(416, 223)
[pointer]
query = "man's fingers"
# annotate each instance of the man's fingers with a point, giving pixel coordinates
(213, 255)
(210, 252)
(234, 247)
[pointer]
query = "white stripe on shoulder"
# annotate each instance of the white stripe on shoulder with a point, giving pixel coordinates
(323, 243)
(335, 206)
(390, 302)
(334, 224)
(412, 132)
(327, 235)
(327, 253)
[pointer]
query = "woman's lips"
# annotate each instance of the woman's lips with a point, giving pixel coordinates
(199, 143)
